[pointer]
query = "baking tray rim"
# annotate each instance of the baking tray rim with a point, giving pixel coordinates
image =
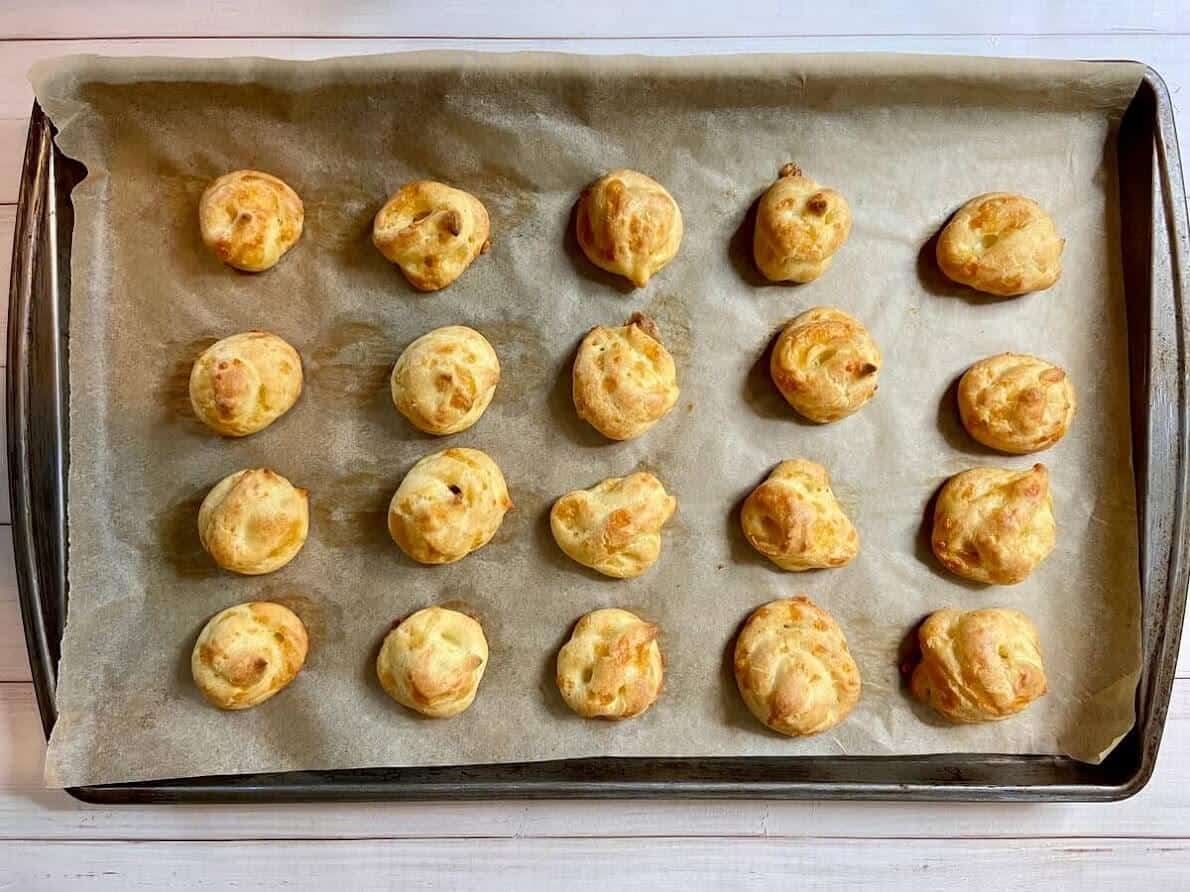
(35, 222)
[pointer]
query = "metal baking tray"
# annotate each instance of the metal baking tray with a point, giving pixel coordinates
(1155, 248)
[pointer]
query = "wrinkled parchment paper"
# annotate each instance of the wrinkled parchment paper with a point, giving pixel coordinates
(906, 139)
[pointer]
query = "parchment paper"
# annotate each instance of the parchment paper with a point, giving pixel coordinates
(906, 139)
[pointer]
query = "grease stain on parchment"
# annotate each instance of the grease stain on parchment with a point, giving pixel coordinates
(352, 510)
(173, 391)
(176, 537)
(351, 363)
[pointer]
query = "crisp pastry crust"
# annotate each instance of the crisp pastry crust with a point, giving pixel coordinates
(825, 364)
(799, 227)
(250, 219)
(794, 519)
(247, 653)
(254, 521)
(1001, 243)
(432, 232)
(245, 382)
(615, 526)
(793, 667)
(433, 662)
(611, 668)
(629, 225)
(445, 379)
(995, 525)
(978, 666)
(449, 504)
(624, 379)
(1016, 403)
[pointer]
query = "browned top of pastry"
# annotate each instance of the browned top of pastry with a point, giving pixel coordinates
(449, 504)
(794, 519)
(624, 380)
(433, 661)
(247, 653)
(825, 364)
(995, 525)
(978, 666)
(250, 219)
(254, 521)
(628, 224)
(1001, 243)
(611, 668)
(799, 227)
(1016, 403)
(432, 232)
(793, 668)
(243, 383)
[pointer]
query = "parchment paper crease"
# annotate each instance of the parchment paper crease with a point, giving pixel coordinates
(906, 139)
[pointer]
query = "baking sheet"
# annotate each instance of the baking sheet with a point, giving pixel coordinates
(906, 139)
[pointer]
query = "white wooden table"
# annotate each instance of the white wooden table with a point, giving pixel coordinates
(48, 840)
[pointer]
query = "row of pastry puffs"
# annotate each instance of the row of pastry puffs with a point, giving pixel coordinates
(624, 380)
(991, 525)
(628, 224)
(791, 662)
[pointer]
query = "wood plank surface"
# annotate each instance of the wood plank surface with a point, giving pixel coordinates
(658, 863)
(12, 151)
(576, 18)
(14, 664)
(8, 215)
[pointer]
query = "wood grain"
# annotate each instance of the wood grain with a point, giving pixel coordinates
(5, 513)
(8, 214)
(12, 150)
(14, 664)
(658, 863)
(569, 18)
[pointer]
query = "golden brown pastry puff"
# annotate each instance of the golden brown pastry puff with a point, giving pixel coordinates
(445, 379)
(1016, 403)
(243, 383)
(624, 378)
(433, 661)
(611, 668)
(978, 666)
(794, 519)
(825, 364)
(793, 667)
(449, 504)
(615, 526)
(254, 521)
(629, 225)
(1003, 244)
(250, 219)
(799, 227)
(247, 653)
(432, 232)
(995, 525)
